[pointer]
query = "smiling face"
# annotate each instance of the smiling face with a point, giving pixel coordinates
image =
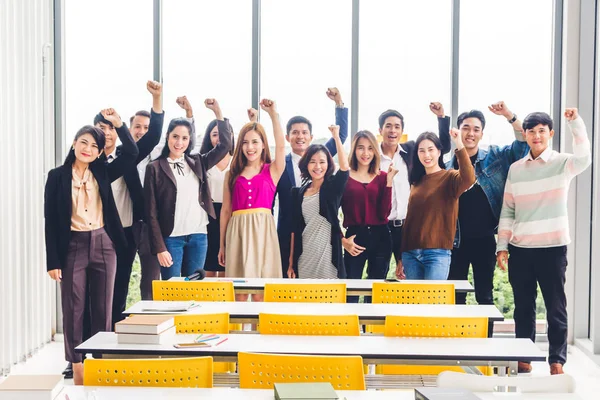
(428, 154)
(471, 133)
(391, 131)
(364, 151)
(538, 138)
(317, 166)
(85, 148)
(299, 138)
(214, 136)
(139, 127)
(252, 146)
(179, 140)
(110, 135)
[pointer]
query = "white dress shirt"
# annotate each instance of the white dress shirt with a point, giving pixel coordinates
(190, 217)
(295, 160)
(400, 186)
(121, 196)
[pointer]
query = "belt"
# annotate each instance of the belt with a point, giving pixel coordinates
(396, 223)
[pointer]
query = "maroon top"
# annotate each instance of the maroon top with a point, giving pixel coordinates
(367, 203)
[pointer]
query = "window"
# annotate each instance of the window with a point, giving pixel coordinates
(207, 53)
(108, 59)
(303, 53)
(505, 54)
(405, 57)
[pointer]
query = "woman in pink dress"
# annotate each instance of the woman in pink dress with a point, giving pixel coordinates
(249, 245)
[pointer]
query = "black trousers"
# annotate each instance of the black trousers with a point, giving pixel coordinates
(546, 266)
(377, 241)
(125, 259)
(148, 262)
(481, 254)
(396, 233)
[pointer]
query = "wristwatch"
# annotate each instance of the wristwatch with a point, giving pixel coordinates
(513, 119)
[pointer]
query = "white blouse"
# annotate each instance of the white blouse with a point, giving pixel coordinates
(190, 217)
(216, 181)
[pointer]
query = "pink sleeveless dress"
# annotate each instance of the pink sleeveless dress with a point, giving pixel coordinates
(251, 243)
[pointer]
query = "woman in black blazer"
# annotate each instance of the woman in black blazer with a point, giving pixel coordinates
(83, 231)
(315, 207)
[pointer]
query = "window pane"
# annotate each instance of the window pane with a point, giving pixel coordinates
(303, 53)
(108, 57)
(505, 54)
(207, 53)
(405, 61)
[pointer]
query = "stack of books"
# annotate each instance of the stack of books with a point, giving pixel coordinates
(145, 329)
(31, 387)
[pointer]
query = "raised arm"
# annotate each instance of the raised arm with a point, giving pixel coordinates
(150, 140)
(278, 165)
(519, 147)
(217, 153)
(341, 119)
(342, 157)
(224, 220)
(443, 125)
(466, 174)
(582, 156)
(129, 150)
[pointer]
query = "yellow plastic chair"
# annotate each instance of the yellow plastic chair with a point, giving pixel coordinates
(206, 323)
(196, 372)
(413, 293)
(423, 327)
(320, 325)
(194, 290)
(306, 292)
(262, 371)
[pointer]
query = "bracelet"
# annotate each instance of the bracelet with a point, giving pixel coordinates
(513, 119)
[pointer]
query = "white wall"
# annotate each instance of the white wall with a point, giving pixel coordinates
(27, 296)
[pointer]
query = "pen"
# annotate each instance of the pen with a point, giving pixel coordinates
(206, 337)
(206, 340)
(224, 340)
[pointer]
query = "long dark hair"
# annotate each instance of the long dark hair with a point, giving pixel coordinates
(418, 170)
(175, 122)
(207, 144)
(96, 133)
(310, 152)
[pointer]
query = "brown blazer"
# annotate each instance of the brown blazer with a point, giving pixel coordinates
(160, 188)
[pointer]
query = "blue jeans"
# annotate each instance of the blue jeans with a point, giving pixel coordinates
(188, 253)
(428, 264)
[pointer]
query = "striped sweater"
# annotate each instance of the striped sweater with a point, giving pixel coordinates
(534, 210)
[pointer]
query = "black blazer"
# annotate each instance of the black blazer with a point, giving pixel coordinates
(444, 134)
(330, 198)
(132, 177)
(58, 201)
(160, 188)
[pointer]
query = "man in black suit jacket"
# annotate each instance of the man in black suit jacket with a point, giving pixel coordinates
(128, 192)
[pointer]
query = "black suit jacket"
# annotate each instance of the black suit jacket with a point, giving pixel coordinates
(132, 177)
(58, 201)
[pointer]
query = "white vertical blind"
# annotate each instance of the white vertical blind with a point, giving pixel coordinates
(27, 296)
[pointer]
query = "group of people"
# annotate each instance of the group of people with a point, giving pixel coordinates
(184, 208)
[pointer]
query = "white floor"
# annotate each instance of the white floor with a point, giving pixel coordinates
(50, 360)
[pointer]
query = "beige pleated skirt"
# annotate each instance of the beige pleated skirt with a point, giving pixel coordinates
(251, 245)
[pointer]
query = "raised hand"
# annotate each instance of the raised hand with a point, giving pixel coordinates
(155, 88)
(213, 104)
(391, 173)
(571, 114)
(334, 94)
(184, 103)
(252, 114)
(437, 108)
(335, 131)
(111, 116)
(269, 106)
(500, 108)
(455, 135)
(352, 247)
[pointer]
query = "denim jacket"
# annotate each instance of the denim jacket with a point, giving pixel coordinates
(491, 169)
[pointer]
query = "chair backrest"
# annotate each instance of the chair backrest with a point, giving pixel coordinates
(262, 371)
(413, 293)
(195, 372)
(530, 384)
(306, 292)
(192, 290)
(450, 327)
(319, 325)
(202, 323)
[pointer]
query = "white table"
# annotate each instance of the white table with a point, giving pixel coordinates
(373, 349)
(372, 314)
(354, 287)
(134, 393)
